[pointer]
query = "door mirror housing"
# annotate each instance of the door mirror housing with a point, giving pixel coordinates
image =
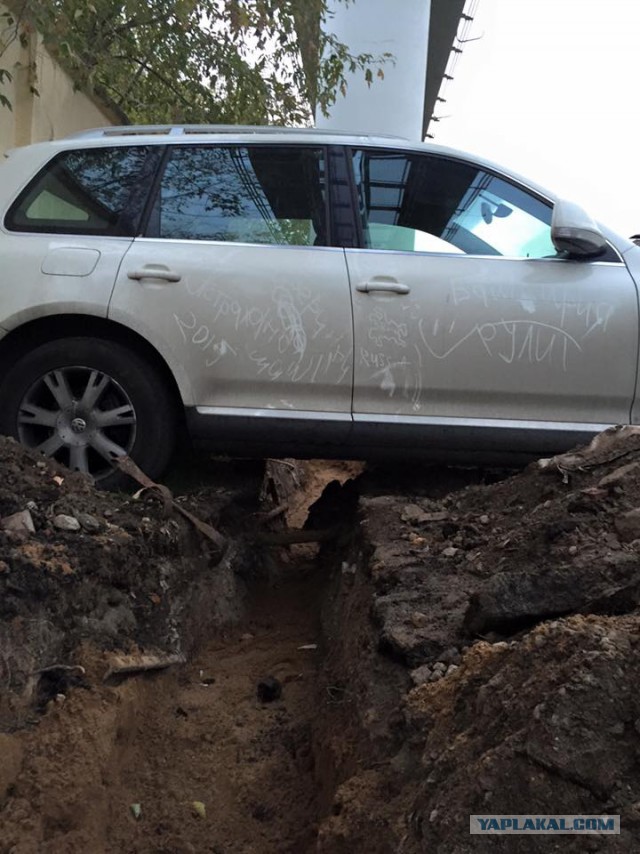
(574, 233)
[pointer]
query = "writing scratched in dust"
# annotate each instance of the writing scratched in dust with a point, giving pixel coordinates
(542, 326)
(289, 335)
(509, 340)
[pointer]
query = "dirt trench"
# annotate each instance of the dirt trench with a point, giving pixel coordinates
(238, 751)
(203, 735)
(226, 752)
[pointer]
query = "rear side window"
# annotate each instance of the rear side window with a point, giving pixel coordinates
(243, 194)
(90, 191)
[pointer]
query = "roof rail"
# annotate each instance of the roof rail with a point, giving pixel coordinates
(182, 130)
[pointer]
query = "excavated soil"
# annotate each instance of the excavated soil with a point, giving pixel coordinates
(459, 642)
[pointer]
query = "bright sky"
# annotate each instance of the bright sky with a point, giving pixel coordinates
(552, 91)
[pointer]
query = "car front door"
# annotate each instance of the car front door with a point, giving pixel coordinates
(236, 284)
(464, 314)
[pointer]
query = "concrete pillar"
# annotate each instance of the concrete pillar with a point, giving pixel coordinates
(394, 105)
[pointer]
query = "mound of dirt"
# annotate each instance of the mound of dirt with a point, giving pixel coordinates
(80, 566)
(514, 608)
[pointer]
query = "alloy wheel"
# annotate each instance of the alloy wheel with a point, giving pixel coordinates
(79, 416)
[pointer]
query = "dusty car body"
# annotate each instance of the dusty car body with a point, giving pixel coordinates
(302, 293)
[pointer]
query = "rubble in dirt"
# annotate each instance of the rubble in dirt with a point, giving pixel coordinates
(80, 566)
(513, 608)
(497, 559)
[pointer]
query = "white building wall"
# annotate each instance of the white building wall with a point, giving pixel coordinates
(57, 111)
(395, 104)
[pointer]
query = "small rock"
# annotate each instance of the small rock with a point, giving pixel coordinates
(418, 619)
(247, 636)
(439, 667)
(20, 522)
(412, 513)
(269, 689)
(66, 523)
(484, 520)
(436, 675)
(199, 809)
(420, 675)
(89, 523)
(451, 669)
(433, 815)
(450, 551)
(41, 465)
(348, 569)
(415, 515)
(573, 550)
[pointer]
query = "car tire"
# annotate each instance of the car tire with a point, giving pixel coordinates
(85, 401)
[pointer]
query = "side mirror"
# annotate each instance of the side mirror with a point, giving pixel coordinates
(574, 232)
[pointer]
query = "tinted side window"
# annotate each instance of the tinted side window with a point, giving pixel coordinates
(85, 192)
(414, 202)
(238, 194)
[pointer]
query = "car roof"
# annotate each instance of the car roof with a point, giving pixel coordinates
(161, 134)
(155, 131)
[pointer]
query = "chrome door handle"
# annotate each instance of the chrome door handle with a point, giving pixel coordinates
(383, 287)
(163, 273)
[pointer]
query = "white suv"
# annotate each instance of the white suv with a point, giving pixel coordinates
(297, 292)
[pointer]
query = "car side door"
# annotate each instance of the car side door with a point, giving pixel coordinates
(464, 314)
(236, 283)
(66, 232)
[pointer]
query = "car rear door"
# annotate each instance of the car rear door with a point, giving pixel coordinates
(67, 231)
(236, 283)
(463, 314)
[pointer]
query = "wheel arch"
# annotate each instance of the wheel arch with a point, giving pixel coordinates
(33, 333)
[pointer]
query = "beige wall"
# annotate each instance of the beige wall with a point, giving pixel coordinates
(56, 112)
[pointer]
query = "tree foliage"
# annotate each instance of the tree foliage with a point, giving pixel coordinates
(249, 61)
